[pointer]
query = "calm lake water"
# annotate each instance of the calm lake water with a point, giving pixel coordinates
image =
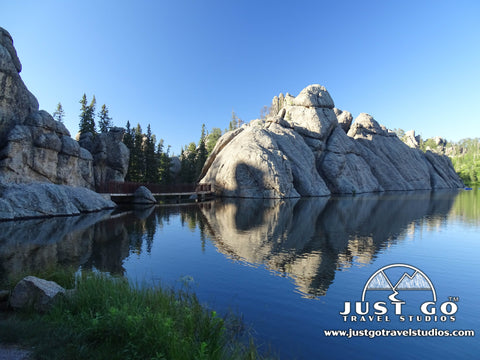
(289, 266)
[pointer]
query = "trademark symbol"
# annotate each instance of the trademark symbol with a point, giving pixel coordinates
(453, 298)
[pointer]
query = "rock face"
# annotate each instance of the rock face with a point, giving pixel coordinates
(36, 292)
(33, 146)
(411, 140)
(20, 201)
(306, 147)
(110, 155)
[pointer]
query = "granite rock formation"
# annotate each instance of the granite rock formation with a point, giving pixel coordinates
(20, 201)
(306, 147)
(43, 171)
(33, 146)
(110, 155)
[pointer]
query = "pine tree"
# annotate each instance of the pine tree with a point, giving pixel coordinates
(105, 121)
(235, 123)
(59, 114)
(138, 160)
(202, 153)
(128, 141)
(212, 139)
(151, 165)
(87, 115)
(164, 175)
(188, 164)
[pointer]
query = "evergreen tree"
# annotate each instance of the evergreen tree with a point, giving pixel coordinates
(151, 164)
(235, 122)
(128, 141)
(138, 161)
(59, 114)
(212, 139)
(164, 175)
(202, 153)
(188, 164)
(105, 121)
(87, 115)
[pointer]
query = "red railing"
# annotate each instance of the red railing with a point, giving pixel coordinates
(114, 187)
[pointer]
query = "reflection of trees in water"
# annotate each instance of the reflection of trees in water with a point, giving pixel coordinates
(306, 239)
(309, 239)
(467, 206)
(97, 240)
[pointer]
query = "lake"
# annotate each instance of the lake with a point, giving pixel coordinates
(290, 266)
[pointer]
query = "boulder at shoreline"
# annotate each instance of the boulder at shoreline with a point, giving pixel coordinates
(24, 201)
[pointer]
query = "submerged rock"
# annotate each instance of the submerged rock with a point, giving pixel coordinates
(307, 147)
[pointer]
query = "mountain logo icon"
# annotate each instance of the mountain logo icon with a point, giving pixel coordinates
(411, 279)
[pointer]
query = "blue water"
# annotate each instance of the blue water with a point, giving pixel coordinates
(289, 266)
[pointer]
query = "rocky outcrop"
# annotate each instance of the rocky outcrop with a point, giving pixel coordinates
(43, 171)
(35, 292)
(110, 155)
(20, 201)
(33, 146)
(344, 119)
(16, 102)
(41, 150)
(306, 147)
(411, 140)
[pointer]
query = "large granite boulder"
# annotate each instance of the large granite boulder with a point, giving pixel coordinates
(33, 146)
(34, 292)
(110, 155)
(20, 201)
(143, 196)
(344, 119)
(307, 147)
(263, 163)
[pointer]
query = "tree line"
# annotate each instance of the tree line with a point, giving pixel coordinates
(464, 154)
(150, 160)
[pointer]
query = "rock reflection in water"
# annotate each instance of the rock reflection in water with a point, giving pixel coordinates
(100, 241)
(91, 240)
(306, 239)
(309, 239)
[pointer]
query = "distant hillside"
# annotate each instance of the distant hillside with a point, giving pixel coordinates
(465, 154)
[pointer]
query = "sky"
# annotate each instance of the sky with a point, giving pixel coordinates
(179, 64)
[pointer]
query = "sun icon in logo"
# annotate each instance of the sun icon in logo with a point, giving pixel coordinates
(412, 278)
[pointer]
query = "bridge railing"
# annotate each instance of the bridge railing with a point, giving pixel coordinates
(114, 187)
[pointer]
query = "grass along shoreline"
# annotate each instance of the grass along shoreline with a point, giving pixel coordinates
(108, 318)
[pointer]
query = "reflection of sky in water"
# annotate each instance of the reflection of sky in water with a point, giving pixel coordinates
(289, 266)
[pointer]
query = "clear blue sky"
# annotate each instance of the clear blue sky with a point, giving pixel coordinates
(178, 64)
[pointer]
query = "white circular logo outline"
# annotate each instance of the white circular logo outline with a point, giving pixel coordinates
(399, 265)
